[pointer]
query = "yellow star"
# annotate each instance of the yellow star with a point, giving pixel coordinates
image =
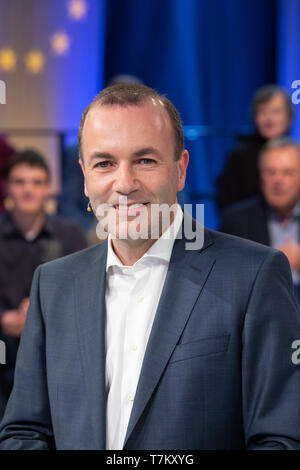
(77, 9)
(35, 61)
(8, 59)
(60, 43)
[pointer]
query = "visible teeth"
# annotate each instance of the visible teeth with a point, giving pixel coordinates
(133, 206)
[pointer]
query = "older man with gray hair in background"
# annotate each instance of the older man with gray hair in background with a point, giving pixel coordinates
(273, 218)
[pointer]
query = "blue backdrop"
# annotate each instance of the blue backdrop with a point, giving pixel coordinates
(288, 64)
(208, 58)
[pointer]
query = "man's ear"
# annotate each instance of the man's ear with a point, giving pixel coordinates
(83, 171)
(182, 166)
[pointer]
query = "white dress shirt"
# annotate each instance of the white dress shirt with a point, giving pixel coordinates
(132, 296)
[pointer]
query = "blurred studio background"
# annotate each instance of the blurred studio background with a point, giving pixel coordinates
(208, 57)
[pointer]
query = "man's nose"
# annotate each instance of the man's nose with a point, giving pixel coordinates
(125, 181)
(277, 179)
(29, 186)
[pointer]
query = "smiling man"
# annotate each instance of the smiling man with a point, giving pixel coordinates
(139, 342)
(128, 156)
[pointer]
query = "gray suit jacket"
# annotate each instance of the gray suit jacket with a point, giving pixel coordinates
(217, 372)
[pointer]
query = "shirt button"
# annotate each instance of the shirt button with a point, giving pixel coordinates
(126, 271)
(140, 299)
(133, 347)
(130, 397)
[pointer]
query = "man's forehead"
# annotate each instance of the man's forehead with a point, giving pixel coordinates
(25, 168)
(108, 121)
(146, 110)
(281, 155)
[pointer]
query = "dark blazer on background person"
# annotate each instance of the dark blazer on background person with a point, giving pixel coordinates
(217, 372)
(248, 219)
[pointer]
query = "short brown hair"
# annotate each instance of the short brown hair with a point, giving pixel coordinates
(135, 95)
(30, 158)
(266, 93)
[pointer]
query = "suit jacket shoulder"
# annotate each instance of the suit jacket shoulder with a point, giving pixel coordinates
(76, 261)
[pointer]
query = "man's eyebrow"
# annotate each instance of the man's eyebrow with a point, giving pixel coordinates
(97, 155)
(146, 151)
(138, 153)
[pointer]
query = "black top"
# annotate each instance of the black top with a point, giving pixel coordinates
(18, 260)
(20, 257)
(240, 178)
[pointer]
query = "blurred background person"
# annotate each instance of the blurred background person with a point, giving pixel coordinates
(28, 237)
(274, 217)
(272, 114)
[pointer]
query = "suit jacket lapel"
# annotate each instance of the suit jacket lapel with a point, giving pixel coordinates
(90, 317)
(187, 273)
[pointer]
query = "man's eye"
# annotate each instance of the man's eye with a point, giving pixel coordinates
(104, 164)
(17, 182)
(146, 161)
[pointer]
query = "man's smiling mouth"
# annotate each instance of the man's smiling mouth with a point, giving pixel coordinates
(130, 210)
(130, 206)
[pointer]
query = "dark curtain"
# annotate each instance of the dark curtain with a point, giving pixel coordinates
(208, 57)
(288, 57)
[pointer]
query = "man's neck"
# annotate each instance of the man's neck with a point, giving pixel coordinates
(29, 224)
(284, 214)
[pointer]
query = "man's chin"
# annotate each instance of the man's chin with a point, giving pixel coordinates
(131, 230)
(28, 210)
